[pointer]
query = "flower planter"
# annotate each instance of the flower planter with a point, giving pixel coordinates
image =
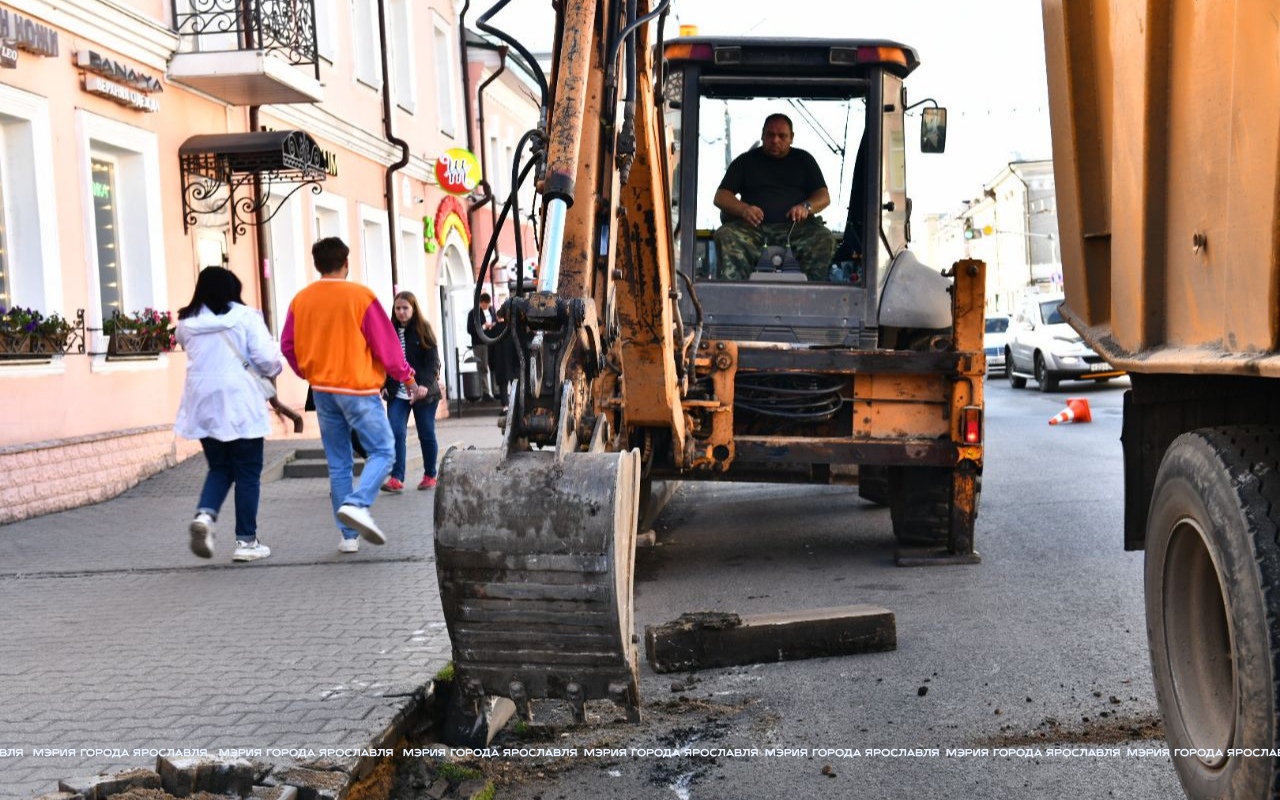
(129, 344)
(49, 345)
(31, 347)
(14, 344)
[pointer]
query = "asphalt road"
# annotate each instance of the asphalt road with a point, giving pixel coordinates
(1035, 660)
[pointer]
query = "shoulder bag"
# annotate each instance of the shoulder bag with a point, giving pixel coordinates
(266, 386)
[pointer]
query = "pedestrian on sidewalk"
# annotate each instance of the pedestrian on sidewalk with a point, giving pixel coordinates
(418, 342)
(504, 359)
(223, 407)
(481, 320)
(338, 337)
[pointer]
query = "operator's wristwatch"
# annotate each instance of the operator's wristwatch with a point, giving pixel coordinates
(808, 207)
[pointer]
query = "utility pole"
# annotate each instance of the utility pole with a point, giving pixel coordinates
(728, 142)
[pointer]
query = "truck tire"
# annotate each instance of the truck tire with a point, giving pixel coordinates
(920, 505)
(1044, 377)
(1014, 380)
(1212, 591)
(873, 484)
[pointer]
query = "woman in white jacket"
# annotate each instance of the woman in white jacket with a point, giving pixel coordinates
(223, 407)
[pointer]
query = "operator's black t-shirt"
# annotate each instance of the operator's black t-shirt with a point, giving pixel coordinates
(774, 184)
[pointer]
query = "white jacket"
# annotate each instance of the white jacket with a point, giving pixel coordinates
(219, 400)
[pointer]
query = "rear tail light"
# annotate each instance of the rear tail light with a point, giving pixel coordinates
(971, 424)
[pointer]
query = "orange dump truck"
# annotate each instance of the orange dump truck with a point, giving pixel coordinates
(1166, 140)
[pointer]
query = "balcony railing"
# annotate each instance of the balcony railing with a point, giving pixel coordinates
(286, 28)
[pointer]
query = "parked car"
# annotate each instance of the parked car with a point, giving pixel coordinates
(1043, 346)
(995, 340)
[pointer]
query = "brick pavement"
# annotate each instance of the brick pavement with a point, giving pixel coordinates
(117, 638)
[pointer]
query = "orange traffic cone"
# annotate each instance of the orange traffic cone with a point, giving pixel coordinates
(1077, 410)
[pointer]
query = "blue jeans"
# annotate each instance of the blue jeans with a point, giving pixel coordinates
(339, 415)
(424, 417)
(239, 462)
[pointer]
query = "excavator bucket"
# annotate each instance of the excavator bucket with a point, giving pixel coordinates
(535, 556)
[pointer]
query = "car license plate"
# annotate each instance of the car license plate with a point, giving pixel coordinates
(1103, 367)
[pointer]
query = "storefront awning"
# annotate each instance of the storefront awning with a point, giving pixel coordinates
(256, 153)
(215, 165)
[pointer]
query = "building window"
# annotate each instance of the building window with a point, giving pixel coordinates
(326, 35)
(403, 83)
(444, 79)
(122, 219)
(375, 251)
(107, 236)
(329, 218)
(368, 52)
(495, 170)
(6, 300)
(30, 264)
(288, 270)
(508, 163)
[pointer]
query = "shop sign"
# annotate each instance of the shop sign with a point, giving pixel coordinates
(118, 82)
(113, 70)
(8, 56)
(120, 93)
(27, 35)
(458, 171)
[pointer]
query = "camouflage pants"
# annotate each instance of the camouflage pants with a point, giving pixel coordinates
(739, 246)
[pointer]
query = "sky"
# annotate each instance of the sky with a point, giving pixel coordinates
(981, 59)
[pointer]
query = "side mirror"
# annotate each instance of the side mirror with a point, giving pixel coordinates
(933, 130)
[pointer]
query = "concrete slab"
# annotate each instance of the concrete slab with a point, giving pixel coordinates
(715, 639)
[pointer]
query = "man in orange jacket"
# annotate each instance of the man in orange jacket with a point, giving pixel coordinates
(338, 338)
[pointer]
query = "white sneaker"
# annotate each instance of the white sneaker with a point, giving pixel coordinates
(251, 550)
(349, 545)
(360, 519)
(202, 535)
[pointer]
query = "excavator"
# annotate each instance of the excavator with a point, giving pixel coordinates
(642, 361)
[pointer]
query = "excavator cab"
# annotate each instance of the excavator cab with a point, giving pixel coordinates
(846, 102)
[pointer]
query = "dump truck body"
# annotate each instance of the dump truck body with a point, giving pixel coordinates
(1166, 140)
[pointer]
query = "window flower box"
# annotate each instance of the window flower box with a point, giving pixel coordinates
(142, 334)
(28, 335)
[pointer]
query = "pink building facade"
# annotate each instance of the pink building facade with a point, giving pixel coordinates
(142, 140)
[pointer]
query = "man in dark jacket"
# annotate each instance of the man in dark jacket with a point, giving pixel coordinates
(481, 319)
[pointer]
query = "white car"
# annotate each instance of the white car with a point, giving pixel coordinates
(1043, 346)
(995, 339)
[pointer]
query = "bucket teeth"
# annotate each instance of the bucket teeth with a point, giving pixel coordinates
(521, 699)
(578, 703)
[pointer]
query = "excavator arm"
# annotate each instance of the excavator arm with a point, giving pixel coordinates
(535, 542)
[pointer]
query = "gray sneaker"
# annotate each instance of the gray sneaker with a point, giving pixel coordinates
(346, 545)
(251, 550)
(202, 535)
(360, 519)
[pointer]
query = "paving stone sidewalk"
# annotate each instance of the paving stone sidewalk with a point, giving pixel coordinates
(118, 640)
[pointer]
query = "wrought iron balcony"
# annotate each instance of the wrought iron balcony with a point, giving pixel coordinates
(248, 52)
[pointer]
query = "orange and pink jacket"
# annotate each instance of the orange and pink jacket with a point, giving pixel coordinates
(340, 340)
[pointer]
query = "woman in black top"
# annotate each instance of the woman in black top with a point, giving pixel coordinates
(419, 344)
